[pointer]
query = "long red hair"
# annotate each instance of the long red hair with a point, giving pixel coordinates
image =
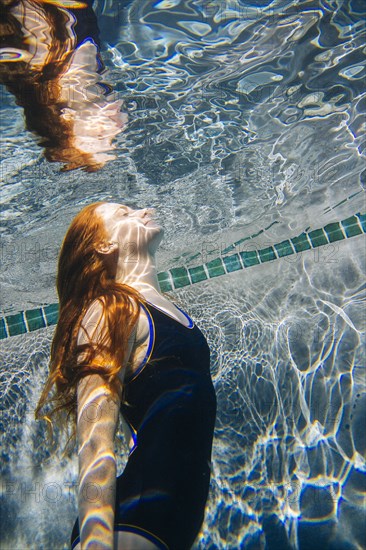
(84, 277)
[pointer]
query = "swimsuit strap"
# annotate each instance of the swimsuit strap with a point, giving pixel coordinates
(150, 345)
(191, 323)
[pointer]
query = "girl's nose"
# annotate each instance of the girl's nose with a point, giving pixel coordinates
(145, 212)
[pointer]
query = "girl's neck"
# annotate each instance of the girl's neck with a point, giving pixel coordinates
(142, 276)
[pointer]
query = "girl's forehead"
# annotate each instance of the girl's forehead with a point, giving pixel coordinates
(108, 208)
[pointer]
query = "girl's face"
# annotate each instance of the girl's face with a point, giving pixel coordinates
(133, 230)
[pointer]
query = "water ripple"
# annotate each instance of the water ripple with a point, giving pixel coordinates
(245, 122)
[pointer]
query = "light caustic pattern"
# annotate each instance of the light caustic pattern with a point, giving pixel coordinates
(289, 371)
(290, 379)
(242, 120)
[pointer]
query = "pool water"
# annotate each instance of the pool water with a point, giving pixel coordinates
(242, 123)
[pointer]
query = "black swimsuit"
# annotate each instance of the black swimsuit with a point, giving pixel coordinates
(170, 406)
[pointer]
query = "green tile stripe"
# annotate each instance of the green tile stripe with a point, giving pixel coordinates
(16, 324)
(301, 242)
(267, 254)
(318, 237)
(249, 258)
(27, 321)
(351, 227)
(197, 274)
(284, 249)
(334, 232)
(3, 331)
(215, 268)
(35, 319)
(232, 263)
(362, 218)
(179, 277)
(165, 281)
(51, 313)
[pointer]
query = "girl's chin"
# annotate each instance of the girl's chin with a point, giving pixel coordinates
(152, 224)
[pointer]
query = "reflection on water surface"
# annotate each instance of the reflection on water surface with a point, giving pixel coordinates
(50, 62)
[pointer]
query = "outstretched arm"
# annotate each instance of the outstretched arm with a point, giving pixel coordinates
(96, 426)
(97, 419)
